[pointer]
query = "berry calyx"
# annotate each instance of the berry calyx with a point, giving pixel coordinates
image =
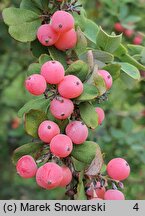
(61, 108)
(67, 40)
(53, 72)
(35, 84)
(47, 130)
(67, 177)
(113, 195)
(46, 35)
(77, 131)
(61, 145)
(107, 78)
(118, 169)
(26, 166)
(101, 115)
(49, 175)
(70, 87)
(62, 21)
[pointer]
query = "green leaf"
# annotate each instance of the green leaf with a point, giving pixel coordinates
(58, 56)
(32, 121)
(23, 24)
(129, 82)
(90, 92)
(91, 30)
(85, 152)
(103, 56)
(81, 195)
(99, 83)
(38, 6)
(89, 115)
(132, 19)
(38, 49)
(34, 68)
(33, 149)
(37, 104)
(78, 68)
(79, 166)
(135, 49)
(107, 42)
(44, 58)
(81, 45)
(130, 70)
(113, 69)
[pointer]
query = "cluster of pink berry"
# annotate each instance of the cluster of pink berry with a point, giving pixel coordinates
(60, 32)
(117, 169)
(137, 40)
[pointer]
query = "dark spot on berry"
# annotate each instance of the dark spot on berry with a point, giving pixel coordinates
(46, 41)
(108, 76)
(60, 26)
(62, 114)
(49, 127)
(82, 123)
(127, 164)
(49, 182)
(53, 62)
(77, 83)
(68, 148)
(28, 78)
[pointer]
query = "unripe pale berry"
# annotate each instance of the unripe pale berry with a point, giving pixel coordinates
(61, 108)
(26, 166)
(35, 84)
(46, 35)
(77, 131)
(101, 115)
(107, 78)
(118, 27)
(70, 87)
(114, 195)
(62, 21)
(49, 175)
(137, 40)
(67, 176)
(53, 72)
(118, 169)
(47, 130)
(100, 191)
(67, 40)
(61, 145)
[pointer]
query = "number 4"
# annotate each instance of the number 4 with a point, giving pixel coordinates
(136, 207)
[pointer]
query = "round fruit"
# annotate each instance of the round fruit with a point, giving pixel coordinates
(62, 21)
(35, 84)
(61, 108)
(61, 145)
(67, 176)
(128, 33)
(100, 191)
(46, 35)
(70, 87)
(47, 130)
(49, 175)
(77, 131)
(26, 166)
(67, 40)
(107, 78)
(118, 27)
(118, 169)
(53, 72)
(114, 195)
(137, 40)
(101, 115)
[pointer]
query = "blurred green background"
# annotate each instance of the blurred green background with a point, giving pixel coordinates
(123, 131)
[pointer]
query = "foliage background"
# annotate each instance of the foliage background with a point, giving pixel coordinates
(123, 131)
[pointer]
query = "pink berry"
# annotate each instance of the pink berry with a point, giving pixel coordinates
(100, 191)
(61, 145)
(77, 132)
(70, 87)
(118, 169)
(49, 175)
(128, 33)
(67, 40)
(137, 40)
(61, 108)
(53, 72)
(47, 130)
(67, 176)
(46, 35)
(114, 195)
(26, 166)
(35, 84)
(107, 78)
(118, 27)
(62, 21)
(101, 115)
